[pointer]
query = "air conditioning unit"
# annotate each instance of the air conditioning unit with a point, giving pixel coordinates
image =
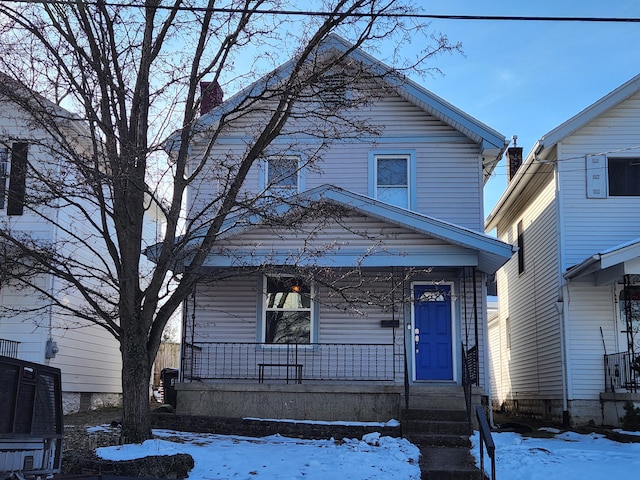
(31, 427)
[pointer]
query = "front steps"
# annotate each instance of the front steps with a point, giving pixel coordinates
(437, 422)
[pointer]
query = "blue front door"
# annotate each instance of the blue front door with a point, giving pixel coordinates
(432, 335)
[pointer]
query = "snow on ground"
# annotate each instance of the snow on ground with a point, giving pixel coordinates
(217, 457)
(220, 457)
(566, 455)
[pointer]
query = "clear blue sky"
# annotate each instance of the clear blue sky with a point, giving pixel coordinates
(526, 78)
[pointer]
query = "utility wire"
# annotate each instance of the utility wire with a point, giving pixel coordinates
(313, 13)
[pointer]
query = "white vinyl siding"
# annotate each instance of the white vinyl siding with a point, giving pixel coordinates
(590, 309)
(227, 311)
(349, 241)
(448, 176)
(616, 219)
(89, 356)
(529, 301)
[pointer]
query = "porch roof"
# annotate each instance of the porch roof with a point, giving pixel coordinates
(460, 246)
(610, 265)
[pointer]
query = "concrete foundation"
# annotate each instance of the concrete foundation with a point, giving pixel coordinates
(297, 402)
(613, 406)
(73, 402)
(326, 402)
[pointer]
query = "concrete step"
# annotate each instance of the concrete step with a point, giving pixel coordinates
(459, 415)
(439, 440)
(435, 427)
(446, 463)
(448, 399)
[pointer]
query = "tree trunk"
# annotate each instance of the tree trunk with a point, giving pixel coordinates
(136, 374)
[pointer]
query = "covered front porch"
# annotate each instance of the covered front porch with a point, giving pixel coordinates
(618, 269)
(360, 298)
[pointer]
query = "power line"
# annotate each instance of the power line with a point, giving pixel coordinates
(312, 13)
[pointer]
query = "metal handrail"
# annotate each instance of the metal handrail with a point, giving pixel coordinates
(466, 383)
(619, 373)
(313, 362)
(486, 440)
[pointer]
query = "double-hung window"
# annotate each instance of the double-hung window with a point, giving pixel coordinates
(392, 178)
(287, 310)
(282, 175)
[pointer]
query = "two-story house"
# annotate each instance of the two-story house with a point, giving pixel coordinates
(31, 327)
(564, 343)
(353, 268)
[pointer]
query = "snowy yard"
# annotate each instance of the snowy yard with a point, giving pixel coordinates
(218, 457)
(566, 455)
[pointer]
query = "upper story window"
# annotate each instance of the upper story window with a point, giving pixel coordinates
(520, 231)
(4, 176)
(13, 175)
(624, 177)
(612, 177)
(392, 178)
(282, 175)
(287, 310)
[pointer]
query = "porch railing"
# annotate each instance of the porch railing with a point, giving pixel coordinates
(9, 348)
(469, 374)
(291, 362)
(619, 373)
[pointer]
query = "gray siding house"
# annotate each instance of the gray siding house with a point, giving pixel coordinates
(564, 343)
(365, 277)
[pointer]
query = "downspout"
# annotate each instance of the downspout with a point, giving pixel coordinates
(51, 347)
(562, 303)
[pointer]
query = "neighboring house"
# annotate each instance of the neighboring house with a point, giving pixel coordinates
(88, 356)
(378, 280)
(567, 335)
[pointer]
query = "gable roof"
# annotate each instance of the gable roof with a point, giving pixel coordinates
(545, 145)
(492, 143)
(491, 252)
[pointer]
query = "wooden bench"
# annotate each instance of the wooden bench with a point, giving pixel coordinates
(297, 366)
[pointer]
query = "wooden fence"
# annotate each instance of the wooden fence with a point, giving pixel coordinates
(168, 357)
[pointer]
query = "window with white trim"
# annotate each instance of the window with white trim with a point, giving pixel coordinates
(392, 178)
(282, 174)
(288, 310)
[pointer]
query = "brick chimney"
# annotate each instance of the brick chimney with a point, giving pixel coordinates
(211, 96)
(514, 159)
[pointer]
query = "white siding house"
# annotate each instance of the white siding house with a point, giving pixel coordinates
(572, 207)
(378, 261)
(31, 329)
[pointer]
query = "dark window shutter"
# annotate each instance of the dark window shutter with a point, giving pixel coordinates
(17, 179)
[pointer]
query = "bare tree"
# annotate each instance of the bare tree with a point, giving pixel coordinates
(130, 73)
